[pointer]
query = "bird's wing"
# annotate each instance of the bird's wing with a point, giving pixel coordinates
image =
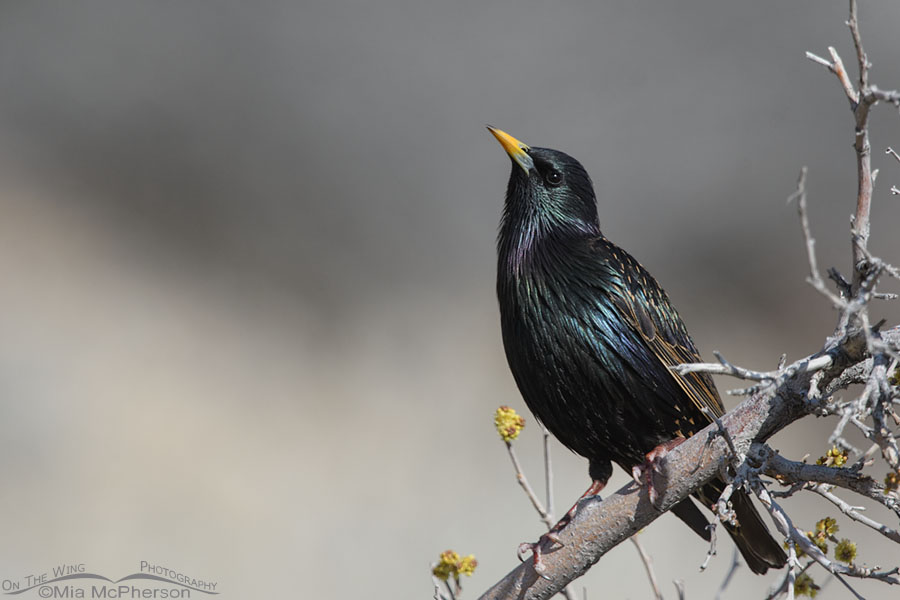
(646, 308)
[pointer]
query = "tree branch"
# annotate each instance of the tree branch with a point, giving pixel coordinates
(598, 526)
(857, 353)
(792, 472)
(862, 97)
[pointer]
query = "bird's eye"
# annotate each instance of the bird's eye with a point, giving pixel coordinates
(554, 178)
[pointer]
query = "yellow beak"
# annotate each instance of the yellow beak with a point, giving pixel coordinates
(513, 147)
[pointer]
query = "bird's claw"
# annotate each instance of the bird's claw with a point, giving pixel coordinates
(545, 542)
(553, 537)
(643, 476)
(643, 473)
(524, 548)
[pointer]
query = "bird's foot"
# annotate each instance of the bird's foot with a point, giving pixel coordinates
(644, 473)
(545, 542)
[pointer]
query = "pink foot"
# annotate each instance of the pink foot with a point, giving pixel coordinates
(644, 473)
(546, 541)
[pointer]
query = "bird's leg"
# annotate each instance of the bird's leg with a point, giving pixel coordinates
(643, 473)
(547, 540)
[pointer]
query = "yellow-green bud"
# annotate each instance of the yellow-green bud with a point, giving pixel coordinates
(845, 551)
(450, 564)
(805, 586)
(819, 539)
(447, 565)
(891, 482)
(828, 526)
(836, 457)
(467, 565)
(508, 423)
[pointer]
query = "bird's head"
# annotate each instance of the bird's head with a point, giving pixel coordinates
(547, 189)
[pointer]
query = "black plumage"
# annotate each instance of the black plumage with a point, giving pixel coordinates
(590, 336)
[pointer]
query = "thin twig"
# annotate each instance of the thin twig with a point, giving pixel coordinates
(736, 457)
(862, 97)
(893, 153)
(735, 565)
(815, 278)
(782, 587)
(648, 566)
(438, 594)
(523, 481)
(792, 564)
(786, 527)
(836, 66)
(545, 514)
(810, 364)
(848, 586)
(548, 470)
(853, 512)
(789, 472)
(712, 543)
(861, 59)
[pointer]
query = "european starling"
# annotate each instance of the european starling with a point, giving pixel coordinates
(590, 338)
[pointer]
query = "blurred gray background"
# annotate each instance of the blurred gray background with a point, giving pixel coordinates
(247, 321)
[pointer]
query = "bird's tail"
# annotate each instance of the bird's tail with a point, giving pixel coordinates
(751, 535)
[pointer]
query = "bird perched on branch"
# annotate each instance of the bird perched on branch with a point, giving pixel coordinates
(591, 337)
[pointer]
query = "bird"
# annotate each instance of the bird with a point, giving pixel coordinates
(590, 338)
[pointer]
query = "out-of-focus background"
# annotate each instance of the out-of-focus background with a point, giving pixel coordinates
(247, 319)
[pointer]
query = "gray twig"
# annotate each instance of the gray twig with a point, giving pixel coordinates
(735, 565)
(523, 482)
(648, 566)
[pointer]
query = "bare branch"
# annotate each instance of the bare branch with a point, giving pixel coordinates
(712, 546)
(548, 470)
(792, 472)
(809, 364)
(598, 526)
(815, 278)
(648, 566)
(782, 587)
(735, 565)
(546, 517)
(862, 97)
(853, 512)
(724, 369)
(836, 66)
(786, 527)
(861, 59)
(893, 153)
(889, 96)
(818, 59)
